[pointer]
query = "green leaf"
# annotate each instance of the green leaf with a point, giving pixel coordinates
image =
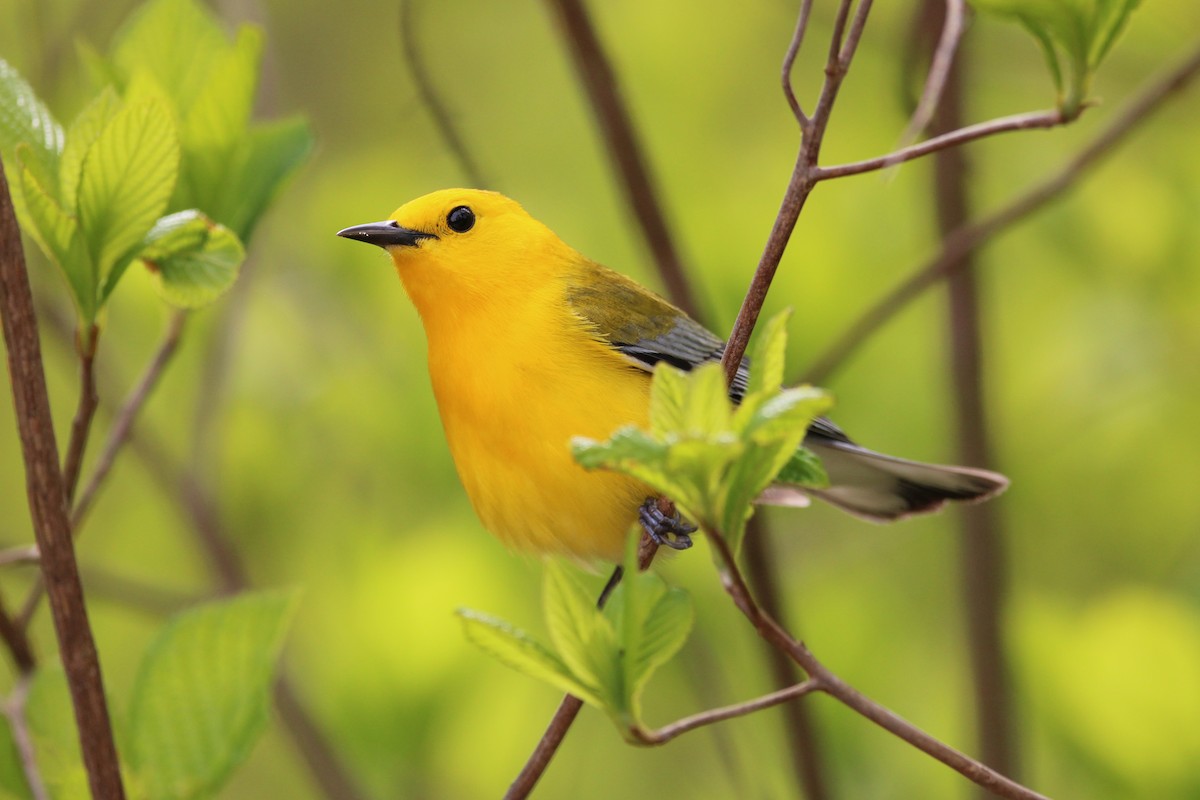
(83, 133)
(177, 41)
(769, 355)
(25, 119)
(59, 236)
(571, 618)
(203, 692)
(128, 174)
(804, 469)
(193, 259)
(695, 403)
(655, 622)
(516, 649)
(266, 158)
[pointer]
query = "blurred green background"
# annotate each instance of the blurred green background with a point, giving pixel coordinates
(331, 472)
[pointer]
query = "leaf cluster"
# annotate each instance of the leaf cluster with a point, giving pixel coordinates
(163, 165)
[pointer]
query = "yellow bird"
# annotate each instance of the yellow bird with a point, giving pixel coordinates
(532, 343)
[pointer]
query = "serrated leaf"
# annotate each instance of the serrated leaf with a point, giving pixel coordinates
(25, 119)
(193, 259)
(769, 355)
(59, 236)
(128, 175)
(203, 691)
(571, 618)
(516, 649)
(83, 133)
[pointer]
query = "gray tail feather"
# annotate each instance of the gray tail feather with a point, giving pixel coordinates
(884, 488)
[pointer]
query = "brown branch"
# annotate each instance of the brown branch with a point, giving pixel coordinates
(18, 723)
(48, 509)
(735, 585)
(842, 47)
(17, 641)
(981, 540)
(600, 81)
(568, 709)
(807, 763)
(26, 554)
(85, 411)
(442, 119)
(1016, 122)
(117, 437)
(970, 237)
(789, 61)
(939, 69)
(668, 732)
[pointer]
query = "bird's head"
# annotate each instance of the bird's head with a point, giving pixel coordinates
(465, 245)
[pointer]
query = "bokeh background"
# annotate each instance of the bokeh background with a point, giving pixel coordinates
(319, 436)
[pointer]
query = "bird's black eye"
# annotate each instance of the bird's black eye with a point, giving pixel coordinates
(460, 219)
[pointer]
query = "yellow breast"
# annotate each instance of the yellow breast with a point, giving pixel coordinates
(510, 415)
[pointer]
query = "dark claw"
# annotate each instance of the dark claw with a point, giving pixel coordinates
(672, 532)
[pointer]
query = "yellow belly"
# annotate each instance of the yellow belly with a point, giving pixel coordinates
(509, 423)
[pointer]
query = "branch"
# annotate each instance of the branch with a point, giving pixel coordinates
(969, 237)
(834, 686)
(939, 71)
(48, 510)
(429, 96)
(1016, 122)
(85, 411)
(803, 180)
(789, 60)
(600, 81)
(117, 437)
(668, 732)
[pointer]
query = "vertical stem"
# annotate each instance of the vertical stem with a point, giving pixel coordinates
(600, 80)
(981, 543)
(81, 427)
(48, 510)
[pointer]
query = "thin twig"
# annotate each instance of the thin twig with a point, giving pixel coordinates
(939, 71)
(26, 554)
(123, 425)
(18, 724)
(800, 185)
(85, 411)
(668, 732)
(807, 762)
(442, 119)
(789, 61)
(1016, 122)
(834, 686)
(568, 709)
(600, 81)
(117, 437)
(48, 509)
(17, 642)
(981, 540)
(971, 236)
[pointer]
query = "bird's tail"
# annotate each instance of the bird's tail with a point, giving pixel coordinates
(885, 488)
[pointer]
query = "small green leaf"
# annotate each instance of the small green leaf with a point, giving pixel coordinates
(83, 133)
(128, 174)
(59, 236)
(516, 649)
(769, 354)
(571, 618)
(804, 469)
(201, 697)
(25, 119)
(193, 259)
(655, 622)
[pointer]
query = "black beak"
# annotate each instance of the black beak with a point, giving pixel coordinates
(384, 234)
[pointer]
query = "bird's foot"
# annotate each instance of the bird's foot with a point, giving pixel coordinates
(672, 531)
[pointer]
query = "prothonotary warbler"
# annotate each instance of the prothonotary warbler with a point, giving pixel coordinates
(532, 343)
